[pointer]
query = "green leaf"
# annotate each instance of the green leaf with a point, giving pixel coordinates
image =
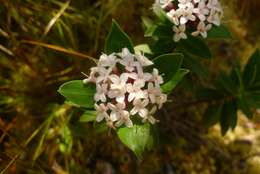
(225, 83)
(195, 66)
(142, 48)
(170, 85)
(88, 116)
(117, 40)
(195, 46)
(251, 74)
(163, 46)
(168, 64)
(78, 93)
(228, 116)
(244, 105)
(219, 32)
(138, 138)
(212, 114)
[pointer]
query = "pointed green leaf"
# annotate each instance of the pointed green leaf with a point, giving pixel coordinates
(78, 93)
(171, 84)
(219, 32)
(88, 116)
(138, 138)
(212, 114)
(195, 66)
(117, 40)
(168, 64)
(195, 46)
(251, 74)
(228, 116)
(142, 48)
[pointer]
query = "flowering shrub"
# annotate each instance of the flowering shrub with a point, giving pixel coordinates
(124, 90)
(130, 83)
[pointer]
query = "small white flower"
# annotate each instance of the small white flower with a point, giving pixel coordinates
(174, 16)
(202, 11)
(187, 14)
(153, 91)
(92, 76)
(202, 29)
(103, 74)
(116, 110)
(197, 1)
(161, 99)
(143, 60)
(127, 60)
(107, 61)
(140, 108)
(135, 91)
(101, 112)
(214, 17)
(150, 116)
(101, 91)
(118, 87)
(124, 119)
(163, 3)
(179, 33)
(214, 5)
(156, 77)
(183, 3)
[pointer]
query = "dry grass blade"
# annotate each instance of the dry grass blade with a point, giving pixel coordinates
(60, 49)
(5, 50)
(55, 18)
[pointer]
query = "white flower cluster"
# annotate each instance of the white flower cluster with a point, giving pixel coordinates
(124, 90)
(198, 15)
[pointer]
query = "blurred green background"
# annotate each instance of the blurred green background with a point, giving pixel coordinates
(44, 43)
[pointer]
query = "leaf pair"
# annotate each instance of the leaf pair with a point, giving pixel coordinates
(238, 90)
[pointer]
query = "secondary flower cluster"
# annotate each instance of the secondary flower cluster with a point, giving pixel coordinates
(124, 90)
(197, 15)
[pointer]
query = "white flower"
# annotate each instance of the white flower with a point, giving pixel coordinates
(179, 33)
(127, 60)
(164, 3)
(101, 112)
(156, 77)
(135, 91)
(103, 74)
(143, 60)
(140, 108)
(101, 92)
(160, 100)
(150, 116)
(202, 29)
(92, 76)
(174, 16)
(153, 91)
(196, 1)
(202, 11)
(124, 119)
(116, 110)
(183, 3)
(214, 17)
(187, 14)
(214, 5)
(118, 87)
(107, 61)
